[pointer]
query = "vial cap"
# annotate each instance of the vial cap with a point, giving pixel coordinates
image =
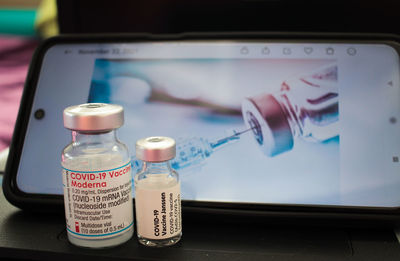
(93, 117)
(155, 149)
(269, 124)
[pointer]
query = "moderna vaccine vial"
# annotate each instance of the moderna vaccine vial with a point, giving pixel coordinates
(97, 177)
(158, 197)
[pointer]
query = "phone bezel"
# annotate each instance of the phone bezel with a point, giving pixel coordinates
(44, 202)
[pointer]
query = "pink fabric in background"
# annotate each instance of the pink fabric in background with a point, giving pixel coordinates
(15, 56)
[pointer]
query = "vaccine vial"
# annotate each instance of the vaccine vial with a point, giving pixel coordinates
(306, 107)
(157, 193)
(97, 177)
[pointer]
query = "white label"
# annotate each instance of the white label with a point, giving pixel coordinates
(158, 211)
(98, 204)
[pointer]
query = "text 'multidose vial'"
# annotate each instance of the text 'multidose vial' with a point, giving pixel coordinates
(97, 177)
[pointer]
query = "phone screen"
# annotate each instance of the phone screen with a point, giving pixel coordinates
(254, 122)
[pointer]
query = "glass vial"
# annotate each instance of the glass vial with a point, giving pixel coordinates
(306, 107)
(157, 189)
(97, 177)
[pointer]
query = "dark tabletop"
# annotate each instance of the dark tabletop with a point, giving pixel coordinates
(34, 236)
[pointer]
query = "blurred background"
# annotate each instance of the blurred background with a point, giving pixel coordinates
(25, 23)
(22, 24)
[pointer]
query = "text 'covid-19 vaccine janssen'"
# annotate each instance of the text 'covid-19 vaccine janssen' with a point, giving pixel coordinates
(158, 196)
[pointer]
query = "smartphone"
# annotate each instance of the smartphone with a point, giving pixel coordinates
(266, 122)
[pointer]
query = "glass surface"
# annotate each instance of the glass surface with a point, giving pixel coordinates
(332, 138)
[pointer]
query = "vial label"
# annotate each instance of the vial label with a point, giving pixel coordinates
(98, 204)
(158, 211)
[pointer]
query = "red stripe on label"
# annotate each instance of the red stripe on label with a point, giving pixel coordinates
(77, 227)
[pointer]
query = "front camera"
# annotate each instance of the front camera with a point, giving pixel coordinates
(39, 114)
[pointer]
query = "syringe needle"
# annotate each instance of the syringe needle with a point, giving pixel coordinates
(241, 132)
(224, 140)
